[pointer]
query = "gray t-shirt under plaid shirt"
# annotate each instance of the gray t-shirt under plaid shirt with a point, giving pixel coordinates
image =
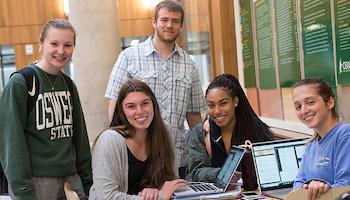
(175, 83)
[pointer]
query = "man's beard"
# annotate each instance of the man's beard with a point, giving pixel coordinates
(167, 39)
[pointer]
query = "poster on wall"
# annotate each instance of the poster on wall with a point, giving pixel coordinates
(287, 42)
(342, 32)
(247, 44)
(317, 40)
(265, 47)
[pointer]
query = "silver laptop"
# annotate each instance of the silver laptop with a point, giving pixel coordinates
(222, 180)
(277, 164)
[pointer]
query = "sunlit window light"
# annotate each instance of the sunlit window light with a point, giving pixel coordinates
(66, 7)
(134, 42)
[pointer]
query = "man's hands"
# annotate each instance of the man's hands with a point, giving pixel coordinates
(315, 189)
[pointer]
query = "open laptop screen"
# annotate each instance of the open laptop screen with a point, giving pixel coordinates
(227, 171)
(223, 179)
(277, 162)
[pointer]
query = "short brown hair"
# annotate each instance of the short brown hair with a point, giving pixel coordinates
(172, 6)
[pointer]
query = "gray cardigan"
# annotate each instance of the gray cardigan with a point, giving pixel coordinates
(110, 168)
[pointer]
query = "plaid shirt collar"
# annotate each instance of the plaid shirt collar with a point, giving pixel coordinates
(149, 47)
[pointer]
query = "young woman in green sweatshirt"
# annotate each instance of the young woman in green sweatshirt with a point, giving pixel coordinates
(47, 145)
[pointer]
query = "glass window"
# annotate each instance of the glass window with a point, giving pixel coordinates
(196, 37)
(7, 64)
(198, 46)
(69, 70)
(131, 41)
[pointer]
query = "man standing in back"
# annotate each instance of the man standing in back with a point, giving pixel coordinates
(168, 70)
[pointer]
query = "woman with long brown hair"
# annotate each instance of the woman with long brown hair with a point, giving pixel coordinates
(134, 158)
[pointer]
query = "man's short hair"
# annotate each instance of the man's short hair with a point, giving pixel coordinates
(172, 6)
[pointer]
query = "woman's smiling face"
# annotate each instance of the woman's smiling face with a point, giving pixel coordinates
(310, 107)
(221, 107)
(139, 111)
(57, 48)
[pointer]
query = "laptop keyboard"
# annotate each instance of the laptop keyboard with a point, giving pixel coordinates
(202, 187)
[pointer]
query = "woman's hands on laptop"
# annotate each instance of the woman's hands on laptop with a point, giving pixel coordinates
(315, 189)
(149, 194)
(165, 193)
(170, 187)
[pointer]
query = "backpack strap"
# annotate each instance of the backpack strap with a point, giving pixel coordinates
(33, 86)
